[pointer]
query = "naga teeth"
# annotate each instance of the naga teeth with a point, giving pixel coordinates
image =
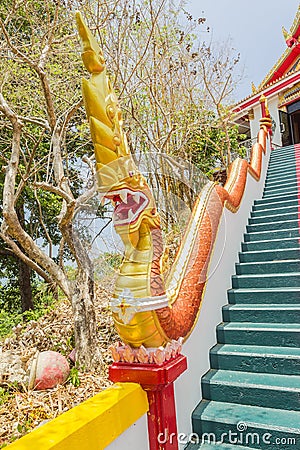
(136, 198)
(123, 197)
(130, 214)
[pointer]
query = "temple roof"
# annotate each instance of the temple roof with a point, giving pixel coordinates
(288, 63)
(291, 56)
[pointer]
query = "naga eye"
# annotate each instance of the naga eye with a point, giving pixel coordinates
(130, 173)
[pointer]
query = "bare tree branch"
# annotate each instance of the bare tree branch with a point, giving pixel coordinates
(36, 121)
(56, 190)
(18, 252)
(14, 49)
(11, 224)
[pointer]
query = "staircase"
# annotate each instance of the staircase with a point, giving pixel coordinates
(252, 391)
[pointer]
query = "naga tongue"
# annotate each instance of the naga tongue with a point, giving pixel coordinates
(128, 204)
(125, 206)
(126, 210)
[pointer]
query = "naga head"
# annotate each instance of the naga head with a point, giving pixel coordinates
(118, 177)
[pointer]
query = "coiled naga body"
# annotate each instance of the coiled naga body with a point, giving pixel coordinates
(151, 309)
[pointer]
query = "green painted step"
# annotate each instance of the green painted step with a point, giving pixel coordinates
(286, 156)
(283, 155)
(276, 162)
(271, 244)
(286, 180)
(263, 212)
(269, 296)
(269, 334)
(266, 280)
(274, 167)
(288, 188)
(284, 225)
(269, 255)
(253, 358)
(272, 193)
(281, 171)
(277, 218)
(256, 362)
(275, 234)
(278, 152)
(288, 166)
(276, 202)
(268, 267)
(289, 159)
(288, 313)
(277, 170)
(281, 177)
(270, 424)
(279, 167)
(250, 388)
(281, 181)
(289, 200)
(282, 197)
(262, 313)
(280, 184)
(277, 174)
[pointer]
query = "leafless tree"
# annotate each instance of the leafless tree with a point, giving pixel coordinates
(156, 65)
(40, 101)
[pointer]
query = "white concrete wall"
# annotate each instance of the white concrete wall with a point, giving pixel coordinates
(254, 124)
(134, 438)
(273, 108)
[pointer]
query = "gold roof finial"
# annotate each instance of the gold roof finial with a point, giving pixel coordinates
(285, 33)
(262, 98)
(254, 88)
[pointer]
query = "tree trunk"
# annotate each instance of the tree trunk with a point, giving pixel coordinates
(24, 270)
(85, 325)
(25, 286)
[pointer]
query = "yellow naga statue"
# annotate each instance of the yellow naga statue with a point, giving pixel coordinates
(151, 310)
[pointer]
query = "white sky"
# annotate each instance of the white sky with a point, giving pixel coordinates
(255, 29)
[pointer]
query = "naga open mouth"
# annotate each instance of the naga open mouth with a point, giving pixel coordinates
(128, 205)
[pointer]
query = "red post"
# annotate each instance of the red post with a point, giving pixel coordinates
(263, 106)
(158, 382)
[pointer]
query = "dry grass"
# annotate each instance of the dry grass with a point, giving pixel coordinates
(22, 410)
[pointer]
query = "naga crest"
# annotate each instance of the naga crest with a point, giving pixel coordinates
(118, 178)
